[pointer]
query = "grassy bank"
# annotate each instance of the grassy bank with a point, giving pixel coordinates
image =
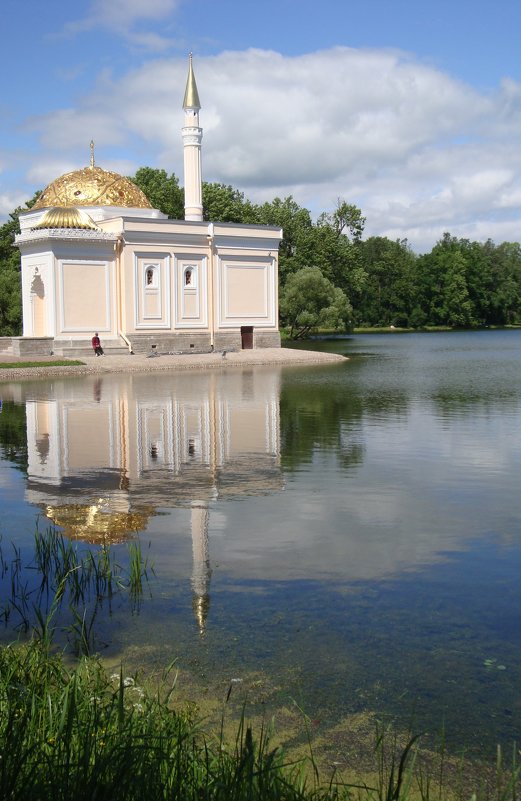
(80, 733)
(55, 363)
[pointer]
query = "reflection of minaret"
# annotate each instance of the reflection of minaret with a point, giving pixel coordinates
(201, 572)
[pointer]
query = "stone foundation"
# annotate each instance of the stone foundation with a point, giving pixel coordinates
(170, 343)
(141, 343)
(266, 339)
(227, 340)
(32, 346)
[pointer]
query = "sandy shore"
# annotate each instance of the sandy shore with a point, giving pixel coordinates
(140, 363)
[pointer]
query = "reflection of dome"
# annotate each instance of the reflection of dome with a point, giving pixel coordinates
(66, 217)
(93, 523)
(92, 186)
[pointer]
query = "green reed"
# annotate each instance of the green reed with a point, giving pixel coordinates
(80, 733)
(63, 578)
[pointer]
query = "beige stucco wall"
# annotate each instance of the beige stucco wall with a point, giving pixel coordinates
(85, 297)
(247, 291)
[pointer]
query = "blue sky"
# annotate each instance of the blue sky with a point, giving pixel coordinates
(410, 110)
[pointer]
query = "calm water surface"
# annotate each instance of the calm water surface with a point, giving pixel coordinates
(348, 536)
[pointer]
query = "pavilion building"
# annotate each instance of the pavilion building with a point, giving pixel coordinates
(96, 257)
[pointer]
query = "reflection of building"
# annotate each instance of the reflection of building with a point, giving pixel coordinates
(97, 257)
(102, 462)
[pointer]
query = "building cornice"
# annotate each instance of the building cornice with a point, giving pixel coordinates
(65, 235)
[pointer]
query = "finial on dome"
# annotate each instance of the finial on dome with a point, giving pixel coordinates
(92, 152)
(191, 99)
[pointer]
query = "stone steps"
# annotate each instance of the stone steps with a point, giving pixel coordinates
(83, 350)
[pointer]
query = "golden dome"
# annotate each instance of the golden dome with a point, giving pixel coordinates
(92, 186)
(66, 217)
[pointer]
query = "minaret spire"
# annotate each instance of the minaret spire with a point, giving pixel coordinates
(191, 99)
(192, 137)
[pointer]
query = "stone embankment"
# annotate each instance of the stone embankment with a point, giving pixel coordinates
(164, 362)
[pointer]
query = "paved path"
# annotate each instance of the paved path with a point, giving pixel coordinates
(140, 363)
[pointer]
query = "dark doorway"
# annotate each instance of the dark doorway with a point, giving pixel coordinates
(247, 337)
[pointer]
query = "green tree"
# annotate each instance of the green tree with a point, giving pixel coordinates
(441, 279)
(346, 219)
(162, 190)
(10, 301)
(10, 279)
(389, 293)
(458, 309)
(505, 294)
(309, 300)
(295, 222)
(223, 203)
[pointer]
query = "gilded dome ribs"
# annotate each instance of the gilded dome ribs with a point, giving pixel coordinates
(92, 186)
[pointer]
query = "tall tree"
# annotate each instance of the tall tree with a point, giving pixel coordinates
(345, 219)
(295, 222)
(162, 190)
(308, 301)
(10, 279)
(388, 296)
(458, 309)
(222, 203)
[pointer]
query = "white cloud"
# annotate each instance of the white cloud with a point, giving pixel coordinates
(120, 17)
(419, 152)
(10, 201)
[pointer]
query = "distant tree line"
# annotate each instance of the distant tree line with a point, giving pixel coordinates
(330, 276)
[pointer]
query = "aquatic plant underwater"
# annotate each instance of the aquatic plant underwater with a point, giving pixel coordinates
(64, 582)
(72, 729)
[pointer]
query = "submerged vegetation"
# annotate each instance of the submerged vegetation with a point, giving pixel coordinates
(70, 728)
(82, 733)
(62, 587)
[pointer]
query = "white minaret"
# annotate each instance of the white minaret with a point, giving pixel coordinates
(192, 136)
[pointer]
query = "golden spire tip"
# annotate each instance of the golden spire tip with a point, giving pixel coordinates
(92, 152)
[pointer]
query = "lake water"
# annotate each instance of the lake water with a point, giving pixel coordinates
(347, 536)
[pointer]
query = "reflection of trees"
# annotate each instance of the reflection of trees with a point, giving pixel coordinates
(328, 411)
(449, 402)
(319, 416)
(13, 434)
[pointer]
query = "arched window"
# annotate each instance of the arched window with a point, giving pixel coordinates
(150, 275)
(190, 277)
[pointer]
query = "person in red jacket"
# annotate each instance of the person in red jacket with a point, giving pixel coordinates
(96, 345)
